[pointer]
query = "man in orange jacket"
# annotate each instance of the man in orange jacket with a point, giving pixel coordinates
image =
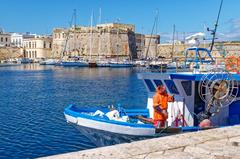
(160, 105)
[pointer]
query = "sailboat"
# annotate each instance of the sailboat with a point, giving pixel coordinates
(123, 63)
(101, 62)
(120, 64)
(75, 61)
(157, 64)
(92, 63)
(48, 62)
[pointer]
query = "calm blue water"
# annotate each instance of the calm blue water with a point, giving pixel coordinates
(33, 98)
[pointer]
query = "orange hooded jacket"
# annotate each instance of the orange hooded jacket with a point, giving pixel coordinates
(161, 100)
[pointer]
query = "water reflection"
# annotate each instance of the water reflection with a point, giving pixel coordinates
(33, 97)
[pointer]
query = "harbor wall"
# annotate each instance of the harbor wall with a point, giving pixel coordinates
(220, 50)
(219, 143)
(10, 52)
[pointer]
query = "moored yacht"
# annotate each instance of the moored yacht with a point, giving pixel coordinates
(48, 62)
(78, 63)
(120, 64)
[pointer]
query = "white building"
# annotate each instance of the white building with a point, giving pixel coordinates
(5, 39)
(17, 38)
(37, 47)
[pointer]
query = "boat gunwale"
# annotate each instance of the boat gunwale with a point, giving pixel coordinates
(70, 112)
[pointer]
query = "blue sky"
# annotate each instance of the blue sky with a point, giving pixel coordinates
(41, 16)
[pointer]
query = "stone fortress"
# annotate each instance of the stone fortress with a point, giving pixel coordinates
(101, 41)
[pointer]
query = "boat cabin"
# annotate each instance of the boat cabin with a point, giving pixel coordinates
(188, 103)
(188, 94)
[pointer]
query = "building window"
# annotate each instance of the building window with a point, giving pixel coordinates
(50, 45)
(1, 39)
(158, 82)
(29, 44)
(6, 39)
(35, 53)
(171, 86)
(187, 86)
(150, 85)
(44, 44)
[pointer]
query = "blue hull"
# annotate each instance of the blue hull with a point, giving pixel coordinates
(75, 113)
(120, 65)
(74, 64)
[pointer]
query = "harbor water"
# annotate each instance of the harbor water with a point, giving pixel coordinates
(33, 98)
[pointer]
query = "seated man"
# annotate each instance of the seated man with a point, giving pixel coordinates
(160, 105)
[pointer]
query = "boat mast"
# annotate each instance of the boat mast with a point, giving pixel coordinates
(173, 44)
(100, 16)
(67, 36)
(117, 44)
(91, 38)
(65, 45)
(74, 31)
(213, 32)
(157, 19)
(154, 23)
(99, 38)
(142, 44)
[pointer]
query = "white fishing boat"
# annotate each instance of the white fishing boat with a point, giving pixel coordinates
(117, 122)
(197, 94)
(203, 92)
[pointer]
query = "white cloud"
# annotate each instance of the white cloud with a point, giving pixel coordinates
(167, 37)
(234, 31)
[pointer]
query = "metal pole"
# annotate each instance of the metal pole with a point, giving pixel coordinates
(173, 42)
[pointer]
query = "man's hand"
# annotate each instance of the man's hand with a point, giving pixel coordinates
(171, 98)
(158, 109)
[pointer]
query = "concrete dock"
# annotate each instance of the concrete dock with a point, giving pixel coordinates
(220, 143)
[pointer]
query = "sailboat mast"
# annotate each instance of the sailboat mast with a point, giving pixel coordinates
(117, 44)
(91, 38)
(157, 19)
(142, 44)
(100, 16)
(213, 32)
(173, 44)
(154, 24)
(74, 31)
(99, 38)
